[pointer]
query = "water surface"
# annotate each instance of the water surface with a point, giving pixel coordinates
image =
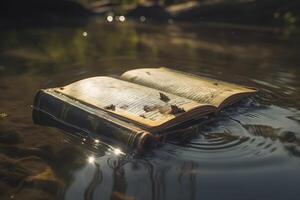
(249, 151)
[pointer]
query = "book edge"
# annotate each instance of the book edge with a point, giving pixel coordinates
(135, 142)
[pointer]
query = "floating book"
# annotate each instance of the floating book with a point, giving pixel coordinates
(141, 104)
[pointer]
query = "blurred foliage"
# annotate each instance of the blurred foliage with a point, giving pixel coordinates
(49, 51)
(46, 51)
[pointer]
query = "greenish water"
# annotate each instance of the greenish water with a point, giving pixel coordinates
(250, 151)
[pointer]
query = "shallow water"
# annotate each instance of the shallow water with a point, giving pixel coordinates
(249, 151)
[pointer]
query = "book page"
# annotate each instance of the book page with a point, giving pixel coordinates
(130, 101)
(200, 89)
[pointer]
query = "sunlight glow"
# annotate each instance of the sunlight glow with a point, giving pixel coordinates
(109, 18)
(122, 18)
(91, 159)
(118, 151)
(84, 34)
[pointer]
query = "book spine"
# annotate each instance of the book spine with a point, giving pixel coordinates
(52, 109)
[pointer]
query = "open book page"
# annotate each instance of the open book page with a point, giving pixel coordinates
(200, 89)
(145, 106)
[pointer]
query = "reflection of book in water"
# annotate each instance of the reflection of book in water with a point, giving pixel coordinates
(142, 104)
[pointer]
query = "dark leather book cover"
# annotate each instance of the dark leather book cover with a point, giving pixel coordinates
(53, 109)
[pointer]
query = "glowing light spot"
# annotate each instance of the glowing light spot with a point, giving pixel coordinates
(142, 18)
(118, 151)
(84, 34)
(109, 18)
(97, 141)
(91, 159)
(122, 18)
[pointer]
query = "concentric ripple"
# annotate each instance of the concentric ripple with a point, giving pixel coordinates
(248, 134)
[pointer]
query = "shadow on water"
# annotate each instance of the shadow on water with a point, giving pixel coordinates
(249, 151)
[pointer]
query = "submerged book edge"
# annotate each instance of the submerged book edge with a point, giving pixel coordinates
(51, 107)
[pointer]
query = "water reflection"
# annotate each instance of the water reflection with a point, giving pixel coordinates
(249, 151)
(225, 148)
(91, 159)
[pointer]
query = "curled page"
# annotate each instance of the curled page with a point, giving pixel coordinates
(199, 89)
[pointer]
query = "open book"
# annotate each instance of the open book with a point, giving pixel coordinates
(153, 99)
